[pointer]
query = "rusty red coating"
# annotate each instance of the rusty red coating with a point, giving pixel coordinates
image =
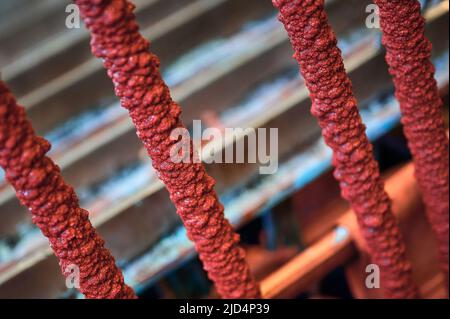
(408, 56)
(138, 83)
(54, 205)
(335, 107)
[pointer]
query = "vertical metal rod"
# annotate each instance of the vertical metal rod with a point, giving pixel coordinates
(356, 169)
(138, 83)
(408, 54)
(54, 205)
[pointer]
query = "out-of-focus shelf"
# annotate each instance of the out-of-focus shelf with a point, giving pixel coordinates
(338, 247)
(143, 217)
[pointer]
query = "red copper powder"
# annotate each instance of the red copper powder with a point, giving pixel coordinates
(138, 83)
(335, 106)
(408, 56)
(54, 204)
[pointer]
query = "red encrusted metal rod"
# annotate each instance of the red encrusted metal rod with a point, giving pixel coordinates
(54, 205)
(408, 56)
(137, 81)
(335, 106)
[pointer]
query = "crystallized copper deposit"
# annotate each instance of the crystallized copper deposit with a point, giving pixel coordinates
(54, 205)
(335, 106)
(408, 56)
(138, 83)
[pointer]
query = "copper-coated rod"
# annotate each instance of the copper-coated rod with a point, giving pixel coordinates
(335, 107)
(138, 83)
(408, 54)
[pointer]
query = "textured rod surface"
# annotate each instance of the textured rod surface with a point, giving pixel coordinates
(408, 56)
(138, 83)
(335, 107)
(54, 205)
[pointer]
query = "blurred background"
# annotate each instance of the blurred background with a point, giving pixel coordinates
(228, 63)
